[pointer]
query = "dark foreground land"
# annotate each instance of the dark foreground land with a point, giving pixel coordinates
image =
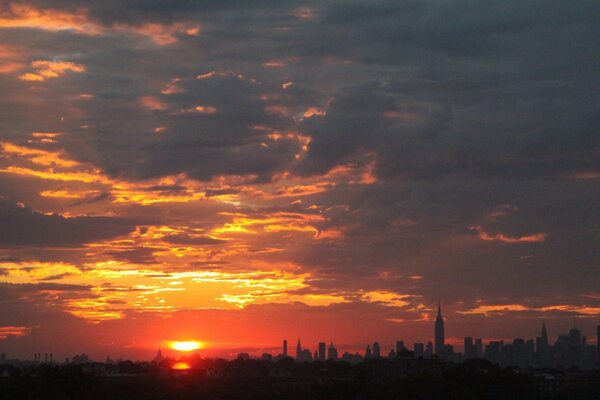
(253, 379)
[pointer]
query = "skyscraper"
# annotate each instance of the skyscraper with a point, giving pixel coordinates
(479, 348)
(285, 354)
(419, 349)
(439, 333)
(400, 347)
(376, 350)
(544, 334)
(541, 347)
(332, 353)
(470, 351)
(322, 349)
(298, 350)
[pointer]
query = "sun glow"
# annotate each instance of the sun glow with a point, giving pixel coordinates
(181, 366)
(190, 345)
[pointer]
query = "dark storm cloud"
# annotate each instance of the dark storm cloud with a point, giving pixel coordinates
(417, 137)
(212, 130)
(25, 227)
(215, 126)
(494, 89)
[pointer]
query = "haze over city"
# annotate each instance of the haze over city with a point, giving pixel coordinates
(234, 173)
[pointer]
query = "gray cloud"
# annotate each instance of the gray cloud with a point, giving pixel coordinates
(25, 227)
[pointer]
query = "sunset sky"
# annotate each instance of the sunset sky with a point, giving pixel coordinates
(240, 172)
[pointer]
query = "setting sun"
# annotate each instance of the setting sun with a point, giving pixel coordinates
(190, 345)
(181, 366)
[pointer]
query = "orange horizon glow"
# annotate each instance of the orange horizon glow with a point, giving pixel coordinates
(187, 345)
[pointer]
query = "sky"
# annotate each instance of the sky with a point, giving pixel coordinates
(241, 172)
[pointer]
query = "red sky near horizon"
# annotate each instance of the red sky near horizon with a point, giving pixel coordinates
(240, 175)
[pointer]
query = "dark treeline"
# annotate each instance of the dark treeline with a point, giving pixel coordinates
(285, 379)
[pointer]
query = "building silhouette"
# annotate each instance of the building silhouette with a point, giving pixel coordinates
(332, 353)
(400, 347)
(298, 350)
(285, 349)
(376, 350)
(368, 353)
(439, 334)
(303, 355)
(419, 349)
(429, 350)
(322, 351)
(159, 356)
(479, 348)
(542, 356)
(469, 348)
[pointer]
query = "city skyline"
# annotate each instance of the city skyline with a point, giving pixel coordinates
(540, 354)
(232, 173)
(538, 351)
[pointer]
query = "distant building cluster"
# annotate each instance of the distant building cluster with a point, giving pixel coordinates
(569, 350)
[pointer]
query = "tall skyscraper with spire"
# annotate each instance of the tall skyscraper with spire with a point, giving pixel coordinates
(298, 350)
(439, 333)
(544, 334)
(542, 347)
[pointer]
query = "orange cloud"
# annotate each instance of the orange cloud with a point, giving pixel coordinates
(273, 64)
(275, 222)
(11, 59)
(299, 190)
(51, 69)
(206, 75)
(313, 111)
(304, 13)
(485, 309)
(44, 137)
(10, 67)
(161, 34)
(173, 87)
(152, 103)
(29, 17)
(6, 331)
(585, 175)
(501, 211)
(17, 16)
(501, 237)
(205, 109)
(56, 166)
(38, 157)
(500, 308)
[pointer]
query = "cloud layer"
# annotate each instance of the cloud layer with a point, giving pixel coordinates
(223, 160)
